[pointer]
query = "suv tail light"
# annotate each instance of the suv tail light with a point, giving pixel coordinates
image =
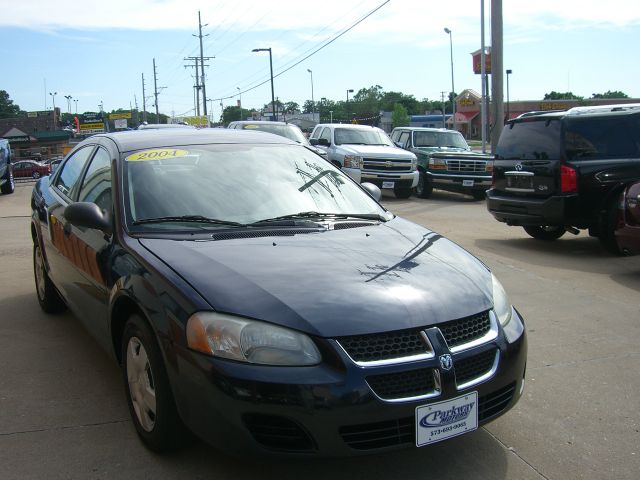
(568, 179)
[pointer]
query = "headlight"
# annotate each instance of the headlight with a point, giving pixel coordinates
(438, 163)
(249, 341)
(414, 164)
(501, 304)
(352, 161)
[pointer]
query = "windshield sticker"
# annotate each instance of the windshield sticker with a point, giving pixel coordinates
(156, 154)
(251, 127)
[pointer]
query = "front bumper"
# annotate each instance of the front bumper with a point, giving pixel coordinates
(524, 211)
(330, 409)
(400, 180)
(459, 182)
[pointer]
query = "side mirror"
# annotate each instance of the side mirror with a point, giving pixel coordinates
(372, 190)
(324, 142)
(313, 141)
(88, 215)
(399, 145)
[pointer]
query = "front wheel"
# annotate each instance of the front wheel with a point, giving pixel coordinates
(403, 192)
(545, 232)
(48, 297)
(35, 175)
(424, 187)
(608, 226)
(478, 195)
(149, 395)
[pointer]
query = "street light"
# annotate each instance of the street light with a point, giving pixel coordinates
(53, 97)
(76, 102)
(313, 102)
(68, 97)
(509, 72)
(453, 90)
(240, 102)
(350, 90)
(273, 98)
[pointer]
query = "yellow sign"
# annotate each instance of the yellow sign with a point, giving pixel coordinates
(156, 154)
(119, 116)
(91, 126)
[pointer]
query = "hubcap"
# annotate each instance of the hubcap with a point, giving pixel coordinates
(11, 180)
(39, 271)
(141, 384)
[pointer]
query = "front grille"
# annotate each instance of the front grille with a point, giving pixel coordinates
(474, 367)
(379, 435)
(383, 346)
(465, 330)
(278, 433)
(402, 431)
(393, 386)
(475, 166)
(382, 165)
(494, 403)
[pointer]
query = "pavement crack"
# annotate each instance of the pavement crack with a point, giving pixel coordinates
(513, 450)
(64, 427)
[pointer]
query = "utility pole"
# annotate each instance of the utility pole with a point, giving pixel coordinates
(496, 72)
(483, 76)
(198, 84)
(155, 90)
(442, 94)
(135, 101)
(202, 59)
(144, 102)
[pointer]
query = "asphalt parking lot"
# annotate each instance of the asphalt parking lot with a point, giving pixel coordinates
(63, 412)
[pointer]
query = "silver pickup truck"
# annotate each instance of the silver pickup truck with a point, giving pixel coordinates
(367, 154)
(7, 183)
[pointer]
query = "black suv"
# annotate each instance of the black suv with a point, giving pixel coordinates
(563, 171)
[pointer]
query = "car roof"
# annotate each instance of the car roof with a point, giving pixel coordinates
(347, 125)
(426, 129)
(585, 111)
(139, 139)
(262, 122)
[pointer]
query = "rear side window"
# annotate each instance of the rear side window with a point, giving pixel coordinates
(601, 138)
(530, 140)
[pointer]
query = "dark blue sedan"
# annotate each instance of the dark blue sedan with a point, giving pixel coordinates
(256, 296)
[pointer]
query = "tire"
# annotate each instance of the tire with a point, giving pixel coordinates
(479, 195)
(10, 185)
(403, 192)
(48, 297)
(608, 225)
(35, 175)
(545, 232)
(149, 396)
(424, 187)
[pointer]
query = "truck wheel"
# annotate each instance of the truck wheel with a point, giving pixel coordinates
(545, 232)
(608, 227)
(424, 187)
(10, 185)
(403, 192)
(479, 195)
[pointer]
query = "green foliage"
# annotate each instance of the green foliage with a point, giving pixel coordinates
(7, 108)
(233, 113)
(399, 117)
(561, 96)
(610, 94)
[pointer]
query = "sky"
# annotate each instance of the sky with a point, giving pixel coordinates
(97, 52)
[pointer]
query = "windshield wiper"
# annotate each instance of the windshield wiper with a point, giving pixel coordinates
(305, 215)
(188, 218)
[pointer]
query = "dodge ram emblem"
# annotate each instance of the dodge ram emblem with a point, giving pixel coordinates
(446, 362)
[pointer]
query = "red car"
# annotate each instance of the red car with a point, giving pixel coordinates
(628, 231)
(30, 168)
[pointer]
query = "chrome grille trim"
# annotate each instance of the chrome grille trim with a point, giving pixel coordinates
(492, 334)
(437, 391)
(428, 355)
(466, 165)
(483, 377)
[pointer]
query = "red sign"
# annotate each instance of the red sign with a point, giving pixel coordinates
(477, 62)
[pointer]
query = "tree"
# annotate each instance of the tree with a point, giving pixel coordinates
(561, 96)
(7, 108)
(610, 94)
(291, 107)
(233, 113)
(399, 117)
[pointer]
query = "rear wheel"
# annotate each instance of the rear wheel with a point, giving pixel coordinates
(403, 192)
(35, 175)
(48, 297)
(10, 184)
(545, 232)
(478, 195)
(609, 223)
(149, 395)
(424, 187)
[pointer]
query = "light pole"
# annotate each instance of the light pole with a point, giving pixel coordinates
(273, 98)
(313, 110)
(76, 102)
(453, 89)
(68, 97)
(350, 90)
(331, 116)
(509, 72)
(53, 99)
(240, 101)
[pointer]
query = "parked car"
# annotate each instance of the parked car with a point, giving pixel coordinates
(7, 183)
(30, 168)
(162, 126)
(286, 312)
(287, 130)
(628, 225)
(445, 161)
(367, 154)
(564, 171)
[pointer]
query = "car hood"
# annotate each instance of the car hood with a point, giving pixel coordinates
(376, 151)
(440, 149)
(333, 283)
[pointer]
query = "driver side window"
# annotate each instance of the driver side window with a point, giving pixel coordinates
(96, 186)
(71, 170)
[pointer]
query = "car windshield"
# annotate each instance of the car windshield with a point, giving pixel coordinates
(231, 185)
(361, 136)
(287, 131)
(439, 139)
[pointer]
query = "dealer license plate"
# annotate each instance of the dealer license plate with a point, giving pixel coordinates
(439, 421)
(388, 184)
(467, 183)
